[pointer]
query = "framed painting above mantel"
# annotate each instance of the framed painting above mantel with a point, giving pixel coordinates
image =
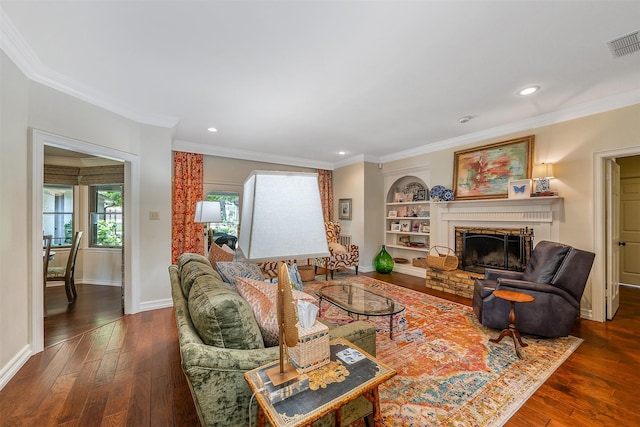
(484, 172)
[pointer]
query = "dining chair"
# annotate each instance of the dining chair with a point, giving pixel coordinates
(46, 253)
(66, 274)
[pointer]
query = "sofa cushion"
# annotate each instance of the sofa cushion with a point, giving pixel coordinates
(221, 317)
(191, 271)
(261, 297)
(230, 270)
(188, 257)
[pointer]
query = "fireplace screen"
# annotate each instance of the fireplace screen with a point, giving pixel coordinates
(504, 249)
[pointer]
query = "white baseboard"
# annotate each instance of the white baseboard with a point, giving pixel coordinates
(10, 369)
(586, 313)
(154, 305)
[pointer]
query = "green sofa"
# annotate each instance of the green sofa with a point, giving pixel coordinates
(220, 340)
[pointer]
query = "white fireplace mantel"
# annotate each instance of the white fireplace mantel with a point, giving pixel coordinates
(540, 213)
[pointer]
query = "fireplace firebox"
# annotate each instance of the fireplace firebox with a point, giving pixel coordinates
(504, 249)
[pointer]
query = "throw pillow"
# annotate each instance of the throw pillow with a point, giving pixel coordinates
(222, 318)
(220, 254)
(337, 248)
(229, 271)
(261, 297)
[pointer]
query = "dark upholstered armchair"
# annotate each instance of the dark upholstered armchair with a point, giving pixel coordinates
(555, 276)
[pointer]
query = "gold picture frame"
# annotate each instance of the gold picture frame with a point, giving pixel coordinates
(484, 172)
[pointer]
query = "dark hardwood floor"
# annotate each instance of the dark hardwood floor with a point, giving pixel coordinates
(128, 373)
(95, 306)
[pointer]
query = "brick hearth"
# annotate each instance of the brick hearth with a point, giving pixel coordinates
(458, 282)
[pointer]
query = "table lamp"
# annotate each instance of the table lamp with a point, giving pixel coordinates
(207, 212)
(282, 219)
(542, 173)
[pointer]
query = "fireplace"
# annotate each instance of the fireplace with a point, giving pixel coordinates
(500, 248)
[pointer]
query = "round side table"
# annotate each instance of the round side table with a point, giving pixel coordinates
(513, 297)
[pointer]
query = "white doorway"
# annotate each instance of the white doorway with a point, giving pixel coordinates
(601, 269)
(131, 216)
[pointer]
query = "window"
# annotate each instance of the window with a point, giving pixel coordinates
(105, 215)
(57, 213)
(230, 209)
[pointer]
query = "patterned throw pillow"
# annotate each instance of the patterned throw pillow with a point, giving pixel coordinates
(261, 297)
(220, 254)
(229, 271)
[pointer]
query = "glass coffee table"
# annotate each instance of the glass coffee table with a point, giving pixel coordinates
(356, 299)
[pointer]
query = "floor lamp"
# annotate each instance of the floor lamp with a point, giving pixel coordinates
(207, 212)
(282, 219)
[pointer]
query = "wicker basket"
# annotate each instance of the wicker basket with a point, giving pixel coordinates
(312, 350)
(442, 258)
(307, 272)
(419, 262)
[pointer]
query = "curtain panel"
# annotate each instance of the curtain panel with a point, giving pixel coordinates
(325, 182)
(186, 235)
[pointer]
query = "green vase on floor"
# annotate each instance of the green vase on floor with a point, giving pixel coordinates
(383, 261)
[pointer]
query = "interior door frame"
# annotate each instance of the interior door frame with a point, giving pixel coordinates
(131, 215)
(600, 266)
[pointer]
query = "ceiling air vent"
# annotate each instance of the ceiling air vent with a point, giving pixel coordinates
(624, 45)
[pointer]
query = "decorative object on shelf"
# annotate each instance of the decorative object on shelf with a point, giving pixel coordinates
(542, 173)
(447, 195)
(411, 191)
(421, 195)
(436, 193)
(402, 211)
(383, 262)
(425, 228)
(395, 226)
(442, 258)
(344, 209)
(393, 214)
(484, 172)
(401, 260)
(415, 227)
(520, 189)
(405, 225)
(413, 211)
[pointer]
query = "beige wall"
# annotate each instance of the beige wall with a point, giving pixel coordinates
(363, 183)
(14, 197)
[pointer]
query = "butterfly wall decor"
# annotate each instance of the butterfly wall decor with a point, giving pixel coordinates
(520, 188)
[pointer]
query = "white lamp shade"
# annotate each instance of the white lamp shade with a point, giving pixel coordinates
(542, 170)
(207, 211)
(282, 217)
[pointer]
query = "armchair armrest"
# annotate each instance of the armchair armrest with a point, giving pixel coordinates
(533, 288)
(494, 274)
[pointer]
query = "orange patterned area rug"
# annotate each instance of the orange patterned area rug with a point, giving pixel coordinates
(449, 373)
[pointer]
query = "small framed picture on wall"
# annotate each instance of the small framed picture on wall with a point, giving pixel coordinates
(344, 208)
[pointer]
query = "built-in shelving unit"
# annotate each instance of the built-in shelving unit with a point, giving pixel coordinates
(408, 223)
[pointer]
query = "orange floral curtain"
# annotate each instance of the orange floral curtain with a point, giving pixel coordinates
(186, 235)
(325, 182)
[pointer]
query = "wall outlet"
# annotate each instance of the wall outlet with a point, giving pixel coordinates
(154, 216)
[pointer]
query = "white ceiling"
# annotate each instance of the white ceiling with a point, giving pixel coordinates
(304, 79)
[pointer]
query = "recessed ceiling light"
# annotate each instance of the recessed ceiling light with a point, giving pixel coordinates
(342, 153)
(528, 90)
(212, 129)
(464, 119)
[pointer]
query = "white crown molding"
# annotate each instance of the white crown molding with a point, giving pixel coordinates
(576, 112)
(16, 48)
(209, 150)
(358, 158)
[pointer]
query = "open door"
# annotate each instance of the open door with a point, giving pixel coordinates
(613, 233)
(630, 230)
